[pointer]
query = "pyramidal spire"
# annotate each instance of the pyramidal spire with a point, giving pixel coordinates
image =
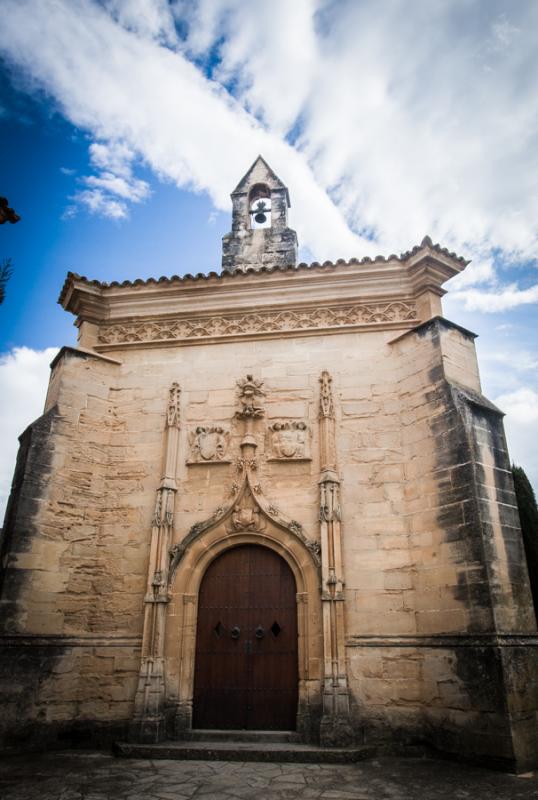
(260, 235)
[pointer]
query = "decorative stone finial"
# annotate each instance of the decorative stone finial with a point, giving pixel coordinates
(173, 411)
(326, 405)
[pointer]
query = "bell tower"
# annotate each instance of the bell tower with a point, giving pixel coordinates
(260, 235)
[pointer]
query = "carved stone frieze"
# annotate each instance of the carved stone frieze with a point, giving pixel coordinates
(261, 322)
(209, 445)
(288, 441)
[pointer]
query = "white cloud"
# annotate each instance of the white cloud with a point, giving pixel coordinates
(24, 375)
(521, 425)
(112, 156)
(115, 179)
(502, 299)
(268, 50)
(98, 202)
(127, 88)
(519, 360)
(503, 33)
(435, 137)
(477, 272)
(151, 18)
(520, 406)
(130, 189)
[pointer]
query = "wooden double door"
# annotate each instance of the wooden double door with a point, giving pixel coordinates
(246, 674)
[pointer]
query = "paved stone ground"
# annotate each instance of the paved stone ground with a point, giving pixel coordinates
(98, 776)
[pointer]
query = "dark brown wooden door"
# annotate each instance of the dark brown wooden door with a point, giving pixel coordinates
(246, 643)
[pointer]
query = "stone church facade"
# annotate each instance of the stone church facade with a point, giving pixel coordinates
(269, 497)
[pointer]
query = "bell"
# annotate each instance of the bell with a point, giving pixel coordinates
(259, 212)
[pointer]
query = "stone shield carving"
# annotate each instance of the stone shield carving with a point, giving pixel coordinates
(209, 445)
(289, 441)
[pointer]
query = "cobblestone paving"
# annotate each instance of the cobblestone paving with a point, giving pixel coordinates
(97, 776)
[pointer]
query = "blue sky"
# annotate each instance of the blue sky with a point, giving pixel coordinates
(125, 124)
(44, 158)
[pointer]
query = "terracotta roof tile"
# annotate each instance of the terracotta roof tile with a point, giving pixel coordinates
(202, 276)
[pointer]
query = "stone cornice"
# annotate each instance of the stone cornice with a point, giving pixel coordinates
(448, 640)
(441, 255)
(68, 640)
(272, 299)
(435, 322)
(80, 352)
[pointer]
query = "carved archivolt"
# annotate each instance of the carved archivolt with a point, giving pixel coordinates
(247, 510)
(227, 325)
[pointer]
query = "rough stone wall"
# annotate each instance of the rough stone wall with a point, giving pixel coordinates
(74, 567)
(432, 559)
(262, 247)
(438, 669)
(29, 483)
(85, 552)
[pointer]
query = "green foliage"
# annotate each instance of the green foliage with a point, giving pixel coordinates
(6, 271)
(528, 515)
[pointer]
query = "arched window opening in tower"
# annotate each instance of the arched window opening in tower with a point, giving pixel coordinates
(260, 206)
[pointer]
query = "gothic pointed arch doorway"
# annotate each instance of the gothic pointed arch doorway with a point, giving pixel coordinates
(246, 662)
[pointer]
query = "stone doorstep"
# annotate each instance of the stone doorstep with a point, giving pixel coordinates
(201, 735)
(269, 751)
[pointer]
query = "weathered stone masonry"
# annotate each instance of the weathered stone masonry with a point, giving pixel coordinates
(327, 412)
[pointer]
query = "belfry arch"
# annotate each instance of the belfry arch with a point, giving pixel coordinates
(259, 204)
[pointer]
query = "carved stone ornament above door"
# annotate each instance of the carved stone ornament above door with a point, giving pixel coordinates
(209, 445)
(288, 441)
(246, 509)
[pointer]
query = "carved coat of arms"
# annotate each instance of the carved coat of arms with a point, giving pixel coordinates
(289, 440)
(246, 519)
(208, 444)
